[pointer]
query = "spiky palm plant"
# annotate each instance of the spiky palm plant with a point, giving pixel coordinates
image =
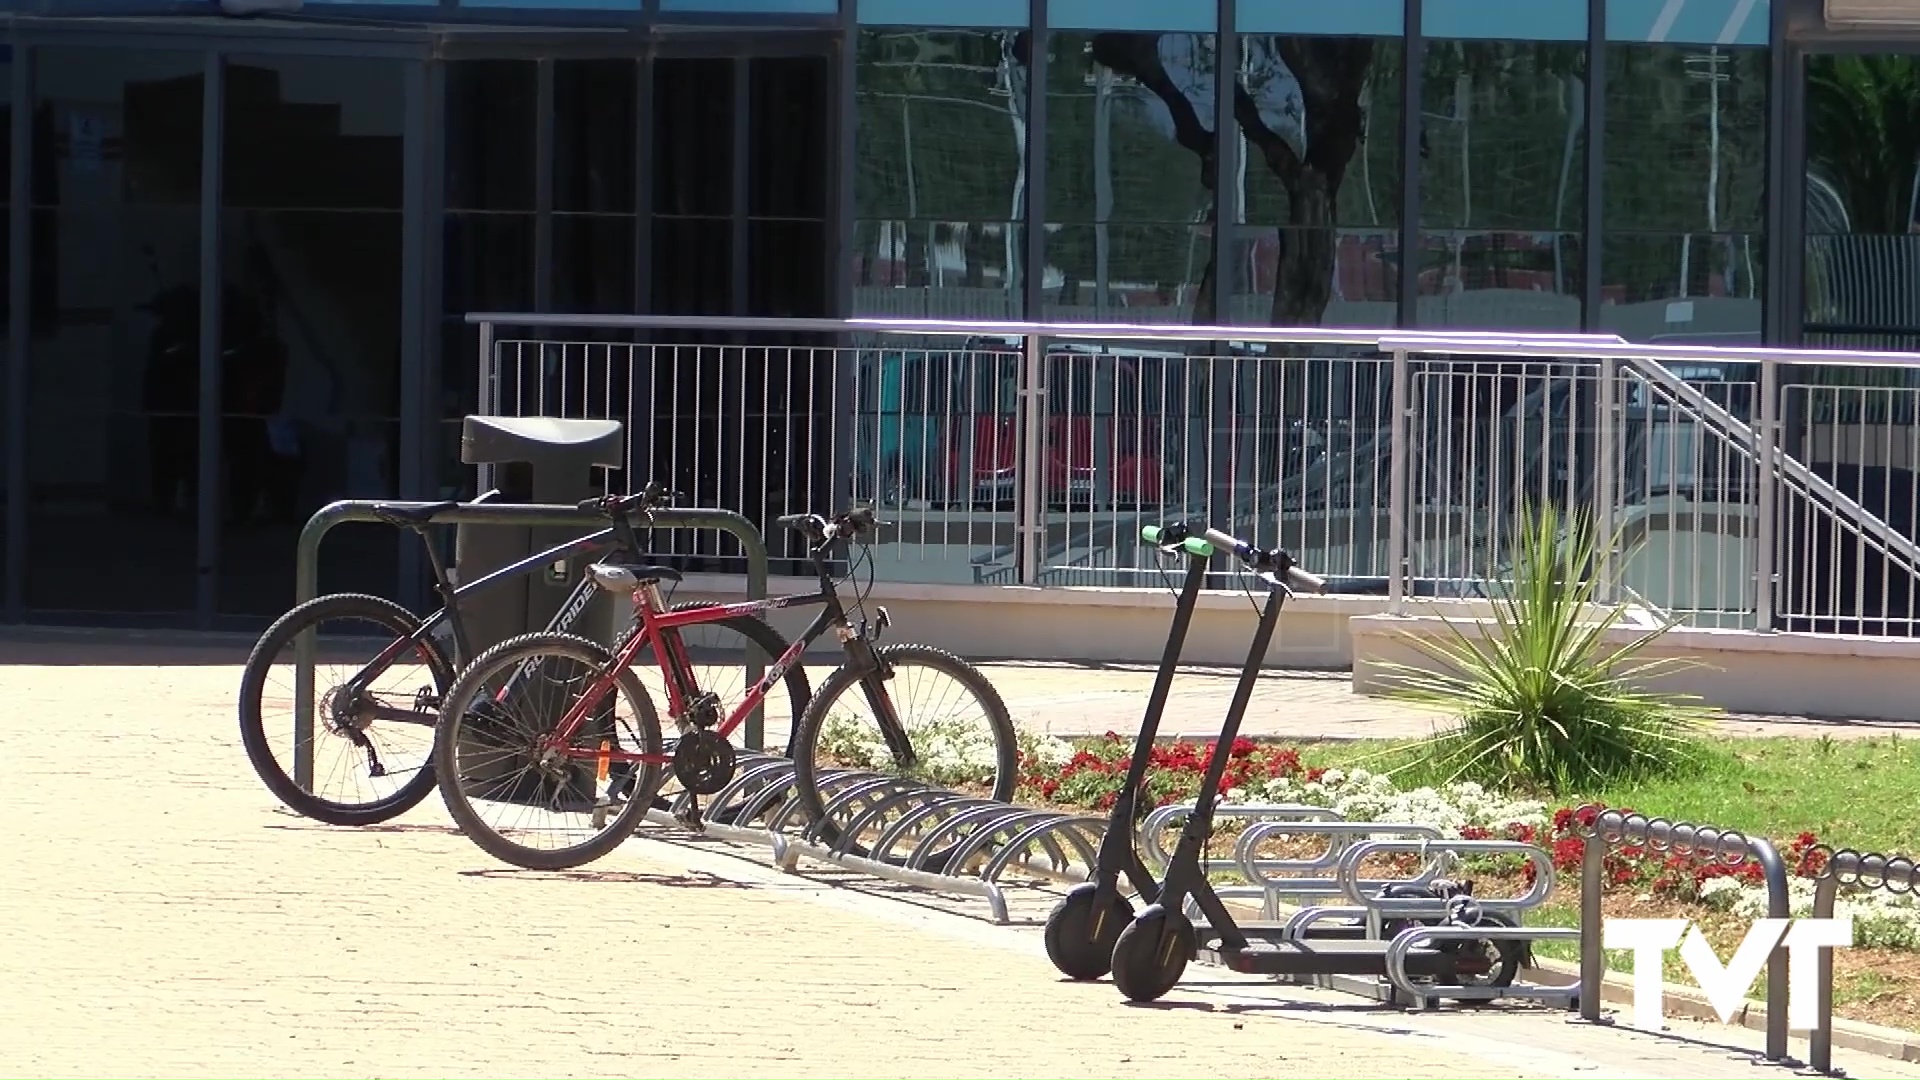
(1544, 699)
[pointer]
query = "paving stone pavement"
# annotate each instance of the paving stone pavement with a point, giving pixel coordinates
(160, 916)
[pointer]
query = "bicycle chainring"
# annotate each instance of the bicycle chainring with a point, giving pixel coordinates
(703, 762)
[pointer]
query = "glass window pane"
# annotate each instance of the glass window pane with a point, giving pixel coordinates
(1863, 198)
(1502, 197)
(1321, 184)
(784, 7)
(924, 13)
(1534, 20)
(1500, 279)
(693, 137)
(113, 394)
(1174, 15)
(593, 263)
(311, 320)
(490, 134)
(1130, 118)
(791, 99)
(1706, 22)
(1683, 288)
(594, 107)
(939, 173)
(1685, 193)
(1378, 18)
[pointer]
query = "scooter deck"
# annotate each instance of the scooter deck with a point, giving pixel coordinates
(1320, 956)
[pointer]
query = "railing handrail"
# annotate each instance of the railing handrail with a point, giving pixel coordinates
(1307, 335)
(1527, 347)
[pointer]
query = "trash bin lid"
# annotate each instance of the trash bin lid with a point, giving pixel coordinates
(496, 440)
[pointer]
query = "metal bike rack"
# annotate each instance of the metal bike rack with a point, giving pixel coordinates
(980, 840)
(306, 577)
(1871, 871)
(1606, 829)
(1160, 821)
(1427, 996)
(1341, 836)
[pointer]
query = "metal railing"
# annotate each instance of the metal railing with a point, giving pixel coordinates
(1391, 461)
(1605, 830)
(1860, 871)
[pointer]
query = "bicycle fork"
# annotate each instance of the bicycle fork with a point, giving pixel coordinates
(877, 673)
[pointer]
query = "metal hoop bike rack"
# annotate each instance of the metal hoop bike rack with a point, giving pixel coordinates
(978, 841)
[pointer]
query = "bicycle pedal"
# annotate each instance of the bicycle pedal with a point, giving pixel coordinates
(689, 816)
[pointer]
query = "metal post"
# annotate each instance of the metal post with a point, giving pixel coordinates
(1605, 443)
(486, 391)
(1031, 476)
(1779, 906)
(1593, 961)
(19, 329)
(1820, 1040)
(212, 283)
(1398, 467)
(1767, 434)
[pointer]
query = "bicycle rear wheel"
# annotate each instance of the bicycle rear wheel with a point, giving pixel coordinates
(955, 725)
(372, 756)
(536, 806)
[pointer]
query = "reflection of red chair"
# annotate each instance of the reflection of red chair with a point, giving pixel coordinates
(1136, 461)
(988, 477)
(1070, 460)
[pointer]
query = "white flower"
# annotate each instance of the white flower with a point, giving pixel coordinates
(1360, 795)
(1881, 920)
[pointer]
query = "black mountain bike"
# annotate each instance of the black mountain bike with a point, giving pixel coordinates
(373, 719)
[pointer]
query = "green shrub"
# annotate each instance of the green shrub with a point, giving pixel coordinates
(1543, 700)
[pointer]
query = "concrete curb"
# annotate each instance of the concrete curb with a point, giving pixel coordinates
(1688, 1003)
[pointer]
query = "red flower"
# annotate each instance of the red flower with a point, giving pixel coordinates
(1567, 852)
(1474, 832)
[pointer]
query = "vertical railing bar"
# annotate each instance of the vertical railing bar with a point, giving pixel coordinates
(1400, 462)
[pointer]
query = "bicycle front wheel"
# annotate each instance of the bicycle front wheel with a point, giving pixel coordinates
(523, 799)
(371, 750)
(953, 731)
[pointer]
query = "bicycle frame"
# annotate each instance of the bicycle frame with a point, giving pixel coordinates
(657, 625)
(570, 611)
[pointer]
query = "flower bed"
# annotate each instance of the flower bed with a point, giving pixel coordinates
(1090, 773)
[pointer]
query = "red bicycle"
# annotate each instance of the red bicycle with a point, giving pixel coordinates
(557, 732)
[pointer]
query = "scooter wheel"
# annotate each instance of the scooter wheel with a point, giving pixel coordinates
(1152, 953)
(1080, 937)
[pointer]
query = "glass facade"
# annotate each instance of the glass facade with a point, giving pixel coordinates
(1568, 167)
(1704, 171)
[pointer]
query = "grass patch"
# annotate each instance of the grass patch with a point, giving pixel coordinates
(1848, 792)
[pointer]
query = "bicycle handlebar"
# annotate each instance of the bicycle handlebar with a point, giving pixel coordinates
(651, 497)
(1275, 561)
(855, 522)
